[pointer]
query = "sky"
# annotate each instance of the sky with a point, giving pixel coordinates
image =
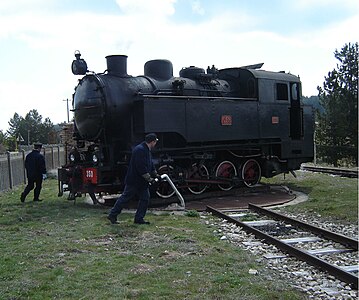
(38, 39)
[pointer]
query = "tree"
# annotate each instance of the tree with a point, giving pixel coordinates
(337, 131)
(15, 124)
(2, 137)
(3, 142)
(31, 128)
(46, 131)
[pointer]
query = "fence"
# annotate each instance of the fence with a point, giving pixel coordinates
(12, 165)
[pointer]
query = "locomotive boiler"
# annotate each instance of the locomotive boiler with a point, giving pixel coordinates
(218, 128)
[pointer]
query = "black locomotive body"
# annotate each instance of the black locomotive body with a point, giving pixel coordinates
(219, 128)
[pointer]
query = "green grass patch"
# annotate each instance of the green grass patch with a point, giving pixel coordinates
(330, 196)
(57, 250)
(192, 213)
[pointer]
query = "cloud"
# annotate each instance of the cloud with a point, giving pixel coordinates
(21, 97)
(310, 4)
(146, 30)
(153, 9)
(11, 6)
(197, 8)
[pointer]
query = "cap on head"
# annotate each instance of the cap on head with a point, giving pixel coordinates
(151, 137)
(37, 145)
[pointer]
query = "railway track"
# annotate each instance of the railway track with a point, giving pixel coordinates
(291, 235)
(335, 171)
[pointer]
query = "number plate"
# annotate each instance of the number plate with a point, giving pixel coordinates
(89, 175)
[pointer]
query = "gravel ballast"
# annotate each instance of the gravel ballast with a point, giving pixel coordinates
(315, 283)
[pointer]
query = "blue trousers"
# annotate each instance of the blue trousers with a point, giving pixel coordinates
(128, 194)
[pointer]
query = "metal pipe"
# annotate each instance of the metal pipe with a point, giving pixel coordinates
(168, 179)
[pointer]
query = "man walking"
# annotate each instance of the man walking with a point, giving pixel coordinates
(140, 174)
(35, 171)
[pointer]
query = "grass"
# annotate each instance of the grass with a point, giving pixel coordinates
(57, 250)
(330, 196)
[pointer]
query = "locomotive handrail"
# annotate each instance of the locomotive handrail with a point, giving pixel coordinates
(198, 97)
(168, 179)
(86, 107)
(211, 147)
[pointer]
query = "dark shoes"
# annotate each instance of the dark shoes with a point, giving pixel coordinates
(142, 222)
(22, 198)
(112, 219)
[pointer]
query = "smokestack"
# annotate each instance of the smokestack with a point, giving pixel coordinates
(117, 65)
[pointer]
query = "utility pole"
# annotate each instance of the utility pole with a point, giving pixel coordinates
(68, 112)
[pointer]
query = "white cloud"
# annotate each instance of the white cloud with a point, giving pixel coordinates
(21, 97)
(197, 7)
(16, 6)
(152, 9)
(146, 31)
(310, 4)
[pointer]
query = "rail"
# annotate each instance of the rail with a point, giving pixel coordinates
(335, 171)
(344, 240)
(303, 255)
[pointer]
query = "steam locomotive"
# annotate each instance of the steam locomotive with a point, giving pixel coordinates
(218, 128)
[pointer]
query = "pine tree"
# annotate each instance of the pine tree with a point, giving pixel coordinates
(337, 131)
(31, 128)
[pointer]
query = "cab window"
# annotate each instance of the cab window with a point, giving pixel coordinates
(282, 91)
(295, 91)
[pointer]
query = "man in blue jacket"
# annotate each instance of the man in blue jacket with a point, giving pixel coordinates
(35, 171)
(140, 174)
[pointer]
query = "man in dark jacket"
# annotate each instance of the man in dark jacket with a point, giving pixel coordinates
(35, 171)
(140, 174)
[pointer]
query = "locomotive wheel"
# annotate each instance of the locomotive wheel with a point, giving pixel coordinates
(196, 172)
(251, 172)
(226, 170)
(164, 189)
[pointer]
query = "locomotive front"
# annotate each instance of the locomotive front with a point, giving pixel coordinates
(102, 127)
(89, 103)
(102, 102)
